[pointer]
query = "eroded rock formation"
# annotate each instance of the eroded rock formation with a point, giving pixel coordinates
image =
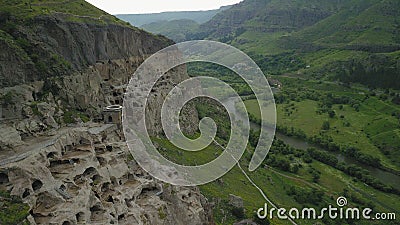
(85, 175)
(55, 153)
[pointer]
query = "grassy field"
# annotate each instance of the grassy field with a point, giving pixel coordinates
(357, 116)
(366, 122)
(276, 184)
(12, 210)
(312, 183)
(73, 10)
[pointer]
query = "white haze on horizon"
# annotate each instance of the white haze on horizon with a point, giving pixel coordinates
(156, 6)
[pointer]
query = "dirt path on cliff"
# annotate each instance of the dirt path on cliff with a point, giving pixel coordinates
(30, 147)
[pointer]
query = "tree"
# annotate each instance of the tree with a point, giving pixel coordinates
(30, 4)
(315, 176)
(326, 125)
(332, 114)
(295, 168)
(260, 221)
(238, 212)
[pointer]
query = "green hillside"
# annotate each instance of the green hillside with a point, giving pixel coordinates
(197, 16)
(268, 16)
(350, 41)
(47, 38)
(319, 51)
(75, 10)
(177, 30)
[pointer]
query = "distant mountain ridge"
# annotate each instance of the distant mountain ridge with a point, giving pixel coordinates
(177, 30)
(197, 16)
(349, 41)
(352, 41)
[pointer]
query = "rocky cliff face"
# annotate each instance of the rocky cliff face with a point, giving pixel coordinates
(72, 67)
(267, 16)
(57, 74)
(85, 175)
(50, 46)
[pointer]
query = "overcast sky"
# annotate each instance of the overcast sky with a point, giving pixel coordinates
(155, 6)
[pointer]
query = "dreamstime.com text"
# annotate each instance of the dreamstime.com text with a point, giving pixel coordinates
(328, 212)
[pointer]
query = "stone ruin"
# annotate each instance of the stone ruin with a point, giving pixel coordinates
(113, 115)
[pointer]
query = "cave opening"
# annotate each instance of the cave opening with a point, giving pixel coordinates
(36, 185)
(4, 178)
(26, 193)
(80, 217)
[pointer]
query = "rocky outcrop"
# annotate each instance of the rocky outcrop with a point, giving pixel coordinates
(264, 16)
(235, 201)
(78, 68)
(85, 175)
(51, 45)
(9, 137)
(39, 107)
(56, 76)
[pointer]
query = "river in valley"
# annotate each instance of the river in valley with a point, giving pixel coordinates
(384, 176)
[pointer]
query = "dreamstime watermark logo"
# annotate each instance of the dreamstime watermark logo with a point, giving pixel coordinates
(330, 212)
(138, 94)
(341, 201)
